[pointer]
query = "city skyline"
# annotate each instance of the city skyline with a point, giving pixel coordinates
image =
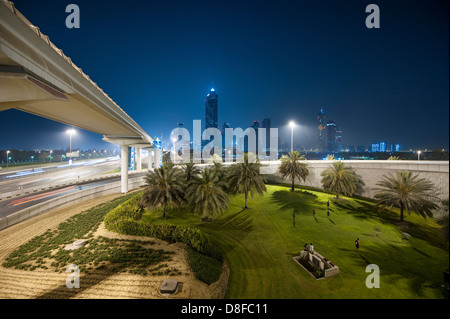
(285, 65)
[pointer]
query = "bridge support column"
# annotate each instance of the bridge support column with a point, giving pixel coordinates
(150, 159)
(157, 158)
(124, 168)
(138, 159)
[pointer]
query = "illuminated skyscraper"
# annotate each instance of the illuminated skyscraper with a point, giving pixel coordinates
(331, 137)
(338, 139)
(211, 109)
(321, 130)
(266, 125)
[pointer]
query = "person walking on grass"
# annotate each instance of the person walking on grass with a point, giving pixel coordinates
(328, 203)
(328, 212)
(357, 245)
(314, 212)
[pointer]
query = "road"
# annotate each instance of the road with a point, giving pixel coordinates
(46, 176)
(56, 176)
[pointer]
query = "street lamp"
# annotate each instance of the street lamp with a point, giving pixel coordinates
(292, 124)
(51, 155)
(7, 158)
(70, 132)
(418, 155)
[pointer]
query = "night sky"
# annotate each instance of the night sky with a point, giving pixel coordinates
(282, 60)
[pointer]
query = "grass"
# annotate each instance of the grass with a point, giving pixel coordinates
(116, 170)
(116, 255)
(259, 244)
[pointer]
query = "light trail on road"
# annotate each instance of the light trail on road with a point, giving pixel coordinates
(41, 196)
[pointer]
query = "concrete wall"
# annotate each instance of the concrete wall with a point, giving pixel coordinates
(68, 200)
(372, 172)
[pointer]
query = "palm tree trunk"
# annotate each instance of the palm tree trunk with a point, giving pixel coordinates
(401, 212)
(164, 211)
(293, 179)
(246, 197)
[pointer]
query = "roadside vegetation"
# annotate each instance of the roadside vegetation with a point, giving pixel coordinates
(210, 211)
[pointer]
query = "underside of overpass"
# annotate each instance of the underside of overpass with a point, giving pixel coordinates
(38, 78)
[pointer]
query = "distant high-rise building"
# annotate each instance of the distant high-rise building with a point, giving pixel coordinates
(395, 148)
(375, 147)
(338, 139)
(225, 125)
(266, 124)
(321, 127)
(383, 146)
(255, 126)
(331, 136)
(211, 109)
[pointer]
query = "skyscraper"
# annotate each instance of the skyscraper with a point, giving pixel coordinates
(321, 130)
(226, 125)
(338, 139)
(255, 126)
(331, 136)
(266, 125)
(211, 109)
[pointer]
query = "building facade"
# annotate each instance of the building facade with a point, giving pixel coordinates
(321, 128)
(211, 109)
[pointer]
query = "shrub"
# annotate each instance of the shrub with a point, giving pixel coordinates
(125, 219)
(206, 269)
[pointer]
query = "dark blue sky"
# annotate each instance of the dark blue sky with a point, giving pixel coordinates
(278, 59)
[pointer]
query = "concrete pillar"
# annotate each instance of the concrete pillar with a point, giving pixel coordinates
(138, 159)
(124, 168)
(157, 157)
(149, 159)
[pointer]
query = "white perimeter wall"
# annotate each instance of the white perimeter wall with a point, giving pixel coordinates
(372, 172)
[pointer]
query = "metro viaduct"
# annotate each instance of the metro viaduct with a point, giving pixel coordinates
(38, 78)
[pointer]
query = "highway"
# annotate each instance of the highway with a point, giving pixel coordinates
(57, 176)
(47, 176)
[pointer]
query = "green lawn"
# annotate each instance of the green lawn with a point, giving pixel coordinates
(259, 244)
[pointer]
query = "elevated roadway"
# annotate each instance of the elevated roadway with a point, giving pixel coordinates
(38, 78)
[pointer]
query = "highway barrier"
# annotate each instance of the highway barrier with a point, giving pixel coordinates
(68, 200)
(25, 190)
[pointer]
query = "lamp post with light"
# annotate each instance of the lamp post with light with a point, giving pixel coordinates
(7, 158)
(70, 132)
(292, 124)
(418, 155)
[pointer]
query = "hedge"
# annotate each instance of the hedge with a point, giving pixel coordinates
(125, 219)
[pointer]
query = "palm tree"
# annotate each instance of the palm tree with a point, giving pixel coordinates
(293, 166)
(408, 192)
(393, 158)
(339, 178)
(331, 157)
(165, 187)
(244, 178)
(206, 196)
(190, 171)
(215, 158)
